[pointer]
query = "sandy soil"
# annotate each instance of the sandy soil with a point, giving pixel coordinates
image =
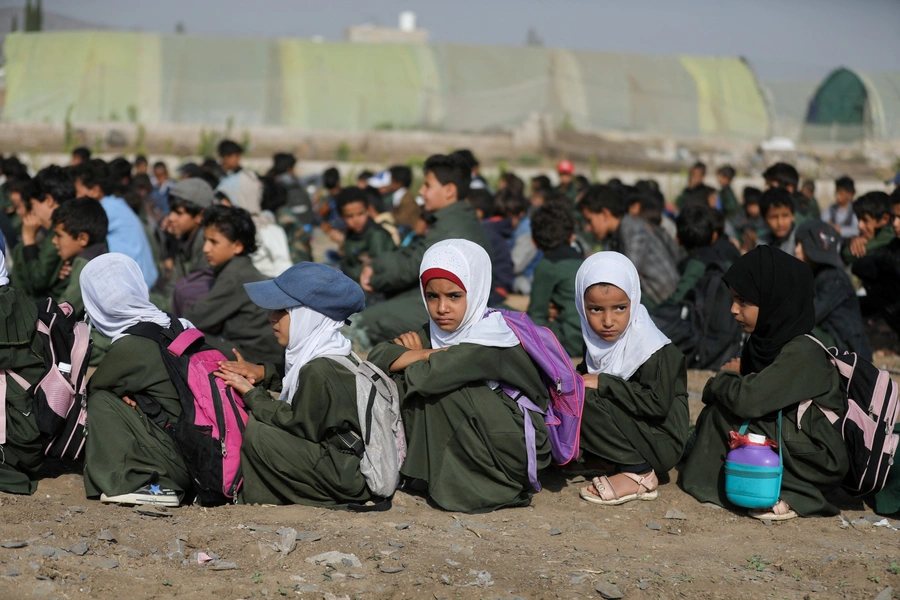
(560, 547)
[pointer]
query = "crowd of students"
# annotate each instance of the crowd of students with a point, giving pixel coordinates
(410, 280)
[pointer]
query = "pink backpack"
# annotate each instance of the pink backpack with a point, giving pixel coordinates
(210, 430)
(60, 406)
(867, 427)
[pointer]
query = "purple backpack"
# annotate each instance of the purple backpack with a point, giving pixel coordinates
(566, 388)
(868, 423)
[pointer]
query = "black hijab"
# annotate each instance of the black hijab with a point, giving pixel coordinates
(782, 287)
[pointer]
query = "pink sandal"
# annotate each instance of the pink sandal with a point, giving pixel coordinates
(601, 490)
(780, 512)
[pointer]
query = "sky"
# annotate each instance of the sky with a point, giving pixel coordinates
(783, 39)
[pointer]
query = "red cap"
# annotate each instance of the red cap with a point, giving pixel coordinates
(565, 167)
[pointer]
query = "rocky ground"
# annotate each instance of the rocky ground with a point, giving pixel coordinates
(57, 544)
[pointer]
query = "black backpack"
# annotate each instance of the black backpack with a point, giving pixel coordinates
(701, 325)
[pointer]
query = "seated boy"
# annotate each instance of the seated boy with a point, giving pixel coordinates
(873, 210)
(653, 252)
(79, 235)
(553, 289)
(785, 176)
(840, 215)
(696, 234)
(231, 321)
(879, 272)
(188, 199)
(730, 207)
(499, 231)
(36, 262)
(777, 209)
(838, 319)
(364, 238)
(749, 224)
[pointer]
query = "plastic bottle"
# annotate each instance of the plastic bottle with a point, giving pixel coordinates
(755, 452)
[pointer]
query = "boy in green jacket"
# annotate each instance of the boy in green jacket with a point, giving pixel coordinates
(874, 211)
(79, 235)
(552, 302)
(365, 239)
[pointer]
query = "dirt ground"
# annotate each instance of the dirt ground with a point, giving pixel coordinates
(559, 547)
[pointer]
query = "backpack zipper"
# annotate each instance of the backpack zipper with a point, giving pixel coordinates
(220, 413)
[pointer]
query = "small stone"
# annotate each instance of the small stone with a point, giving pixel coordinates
(76, 509)
(154, 512)
(401, 526)
(861, 523)
(578, 479)
(766, 522)
(106, 564)
(47, 551)
(14, 544)
(396, 545)
(176, 550)
(13, 572)
(871, 518)
(675, 514)
(829, 559)
(392, 570)
(451, 562)
(334, 557)
(308, 536)
(608, 590)
(578, 578)
(356, 575)
(885, 594)
(259, 528)
(224, 566)
(287, 540)
(711, 505)
(555, 532)
(107, 535)
(653, 526)
(79, 548)
(818, 588)
(643, 585)
(133, 553)
(347, 562)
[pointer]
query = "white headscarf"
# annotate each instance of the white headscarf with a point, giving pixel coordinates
(641, 338)
(116, 296)
(472, 266)
(312, 335)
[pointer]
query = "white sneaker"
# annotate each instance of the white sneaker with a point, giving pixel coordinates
(151, 494)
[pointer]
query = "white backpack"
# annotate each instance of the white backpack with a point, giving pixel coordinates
(383, 442)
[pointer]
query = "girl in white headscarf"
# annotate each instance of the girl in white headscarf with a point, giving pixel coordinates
(635, 412)
(465, 436)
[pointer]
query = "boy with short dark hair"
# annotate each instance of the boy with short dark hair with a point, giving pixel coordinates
(79, 235)
(696, 177)
(188, 199)
(653, 252)
(785, 176)
(777, 209)
(696, 234)
(403, 206)
(873, 210)
(364, 239)
(730, 207)
(879, 272)
(841, 215)
(230, 153)
(81, 154)
(553, 288)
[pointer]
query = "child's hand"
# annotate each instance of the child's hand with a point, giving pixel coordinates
(591, 380)
(235, 381)
(253, 373)
(858, 246)
(129, 401)
(336, 236)
(30, 226)
(65, 270)
(409, 340)
(748, 242)
(732, 365)
(365, 277)
(552, 312)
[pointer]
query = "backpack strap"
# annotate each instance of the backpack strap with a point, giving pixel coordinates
(804, 406)
(184, 340)
(154, 411)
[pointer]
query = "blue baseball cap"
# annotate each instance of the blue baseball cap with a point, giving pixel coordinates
(319, 287)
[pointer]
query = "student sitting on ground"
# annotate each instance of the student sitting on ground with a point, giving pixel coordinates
(777, 208)
(365, 239)
(840, 215)
(873, 210)
(749, 224)
(879, 273)
(785, 177)
(635, 412)
(499, 232)
(128, 458)
(79, 234)
(552, 303)
(465, 436)
(226, 315)
(729, 203)
(649, 248)
(291, 452)
(779, 368)
(21, 352)
(838, 319)
(36, 263)
(188, 199)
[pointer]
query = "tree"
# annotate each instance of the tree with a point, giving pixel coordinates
(39, 17)
(532, 38)
(34, 16)
(14, 26)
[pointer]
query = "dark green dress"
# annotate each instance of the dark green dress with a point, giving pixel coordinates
(288, 455)
(643, 419)
(815, 458)
(36, 272)
(464, 439)
(21, 350)
(124, 449)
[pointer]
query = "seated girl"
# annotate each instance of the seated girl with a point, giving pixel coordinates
(292, 453)
(128, 457)
(226, 315)
(779, 368)
(635, 409)
(21, 352)
(465, 436)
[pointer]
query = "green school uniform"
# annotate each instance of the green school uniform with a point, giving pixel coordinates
(883, 237)
(35, 270)
(231, 320)
(290, 454)
(396, 273)
(190, 256)
(373, 241)
(694, 270)
(124, 449)
(464, 439)
(642, 419)
(730, 205)
(554, 281)
(21, 350)
(72, 293)
(815, 457)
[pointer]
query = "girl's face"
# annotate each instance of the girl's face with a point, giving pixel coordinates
(218, 248)
(281, 326)
(745, 312)
(446, 303)
(608, 311)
